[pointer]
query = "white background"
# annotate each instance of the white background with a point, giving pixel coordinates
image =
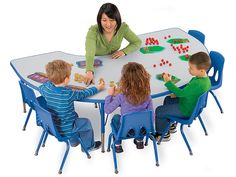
(33, 27)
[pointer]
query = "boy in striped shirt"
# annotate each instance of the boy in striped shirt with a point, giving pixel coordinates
(60, 101)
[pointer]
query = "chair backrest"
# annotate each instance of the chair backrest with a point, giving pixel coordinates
(217, 65)
(28, 94)
(198, 35)
(47, 121)
(139, 123)
(201, 104)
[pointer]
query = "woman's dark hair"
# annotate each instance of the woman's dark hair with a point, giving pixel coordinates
(112, 12)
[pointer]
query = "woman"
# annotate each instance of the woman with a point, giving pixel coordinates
(106, 38)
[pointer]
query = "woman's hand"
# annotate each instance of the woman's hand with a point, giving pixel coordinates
(88, 78)
(117, 54)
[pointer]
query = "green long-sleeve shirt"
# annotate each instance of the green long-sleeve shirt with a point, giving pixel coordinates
(189, 95)
(97, 44)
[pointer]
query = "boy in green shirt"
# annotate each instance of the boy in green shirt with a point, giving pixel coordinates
(183, 101)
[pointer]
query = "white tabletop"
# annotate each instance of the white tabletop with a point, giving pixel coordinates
(111, 69)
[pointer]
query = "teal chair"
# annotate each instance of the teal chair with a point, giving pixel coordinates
(29, 98)
(137, 122)
(49, 128)
(198, 35)
(201, 104)
(217, 65)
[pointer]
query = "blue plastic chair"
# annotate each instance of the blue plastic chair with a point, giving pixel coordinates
(217, 64)
(46, 120)
(198, 35)
(201, 104)
(133, 121)
(29, 98)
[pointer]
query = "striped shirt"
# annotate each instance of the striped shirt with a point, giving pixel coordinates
(60, 101)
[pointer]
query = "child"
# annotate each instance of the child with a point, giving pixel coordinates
(183, 101)
(134, 96)
(60, 101)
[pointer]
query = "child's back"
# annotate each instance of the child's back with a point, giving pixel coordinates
(134, 96)
(60, 101)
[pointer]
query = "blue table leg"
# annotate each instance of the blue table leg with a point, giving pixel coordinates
(102, 114)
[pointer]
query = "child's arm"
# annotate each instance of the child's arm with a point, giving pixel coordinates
(76, 96)
(88, 92)
(190, 89)
(111, 103)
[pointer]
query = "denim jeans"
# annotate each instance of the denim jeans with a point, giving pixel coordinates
(84, 130)
(169, 107)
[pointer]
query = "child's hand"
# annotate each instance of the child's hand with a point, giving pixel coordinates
(172, 95)
(111, 91)
(101, 84)
(166, 77)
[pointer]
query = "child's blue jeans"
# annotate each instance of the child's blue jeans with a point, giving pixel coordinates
(84, 130)
(169, 107)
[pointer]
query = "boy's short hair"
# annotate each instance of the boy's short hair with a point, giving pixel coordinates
(201, 60)
(57, 71)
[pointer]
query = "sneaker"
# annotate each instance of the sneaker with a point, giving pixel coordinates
(97, 145)
(173, 128)
(118, 148)
(139, 144)
(166, 138)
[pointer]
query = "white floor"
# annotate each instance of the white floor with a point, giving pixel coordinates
(29, 28)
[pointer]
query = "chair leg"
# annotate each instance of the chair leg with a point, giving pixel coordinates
(146, 142)
(155, 149)
(218, 103)
(27, 119)
(40, 142)
(24, 107)
(185, 139)
(109, 142)
(202, 124)
(44, 140)
(114, 157)
(163, 133)
(84, 149)
(65, 156)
